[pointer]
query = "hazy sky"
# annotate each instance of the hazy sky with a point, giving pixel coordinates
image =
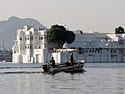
(87, 15)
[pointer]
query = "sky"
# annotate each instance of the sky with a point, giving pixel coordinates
(86, 15)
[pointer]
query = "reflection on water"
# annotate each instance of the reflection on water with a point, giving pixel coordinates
(99, 79)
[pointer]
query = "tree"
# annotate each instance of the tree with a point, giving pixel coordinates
(58, 34)
(119, 30)
(70, 37)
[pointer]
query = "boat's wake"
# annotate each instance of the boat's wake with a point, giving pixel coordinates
(20, 70)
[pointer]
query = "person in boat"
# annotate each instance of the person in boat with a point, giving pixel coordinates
(71, 59)
(52, 62)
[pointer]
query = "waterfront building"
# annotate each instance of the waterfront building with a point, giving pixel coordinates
(31, 46)
(100, 47)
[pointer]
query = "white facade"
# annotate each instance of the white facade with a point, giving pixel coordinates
(31, 47)
(100, 47)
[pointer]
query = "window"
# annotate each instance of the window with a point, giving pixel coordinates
(40, 38)
(31, 47)
(20, 38)
(45, 37)
(86, 51)
(28, 47)
(90, 51)
(121, 42)
(31, 37)
(114, 51)
(27, 38)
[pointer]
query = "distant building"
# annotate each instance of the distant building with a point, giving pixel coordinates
(100, 47)
(5, 55)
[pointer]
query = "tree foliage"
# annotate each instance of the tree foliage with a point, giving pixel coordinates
(70, 37)
(119, 30)
(58, 34)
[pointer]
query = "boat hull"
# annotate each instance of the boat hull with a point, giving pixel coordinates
(65, 67)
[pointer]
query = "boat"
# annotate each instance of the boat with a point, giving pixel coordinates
(65, 67)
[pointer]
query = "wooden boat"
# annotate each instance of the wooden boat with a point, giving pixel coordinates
(65, 67)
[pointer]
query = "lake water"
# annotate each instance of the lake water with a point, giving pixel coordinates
(108, 78)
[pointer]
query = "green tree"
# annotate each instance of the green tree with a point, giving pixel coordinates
(119, 30)
(70, 37)
(58, 34)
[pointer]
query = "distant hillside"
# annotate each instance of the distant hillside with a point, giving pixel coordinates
(8, 29)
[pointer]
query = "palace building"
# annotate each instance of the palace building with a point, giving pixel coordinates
(31, 46)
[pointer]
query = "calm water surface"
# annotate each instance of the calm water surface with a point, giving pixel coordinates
(99, 79)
